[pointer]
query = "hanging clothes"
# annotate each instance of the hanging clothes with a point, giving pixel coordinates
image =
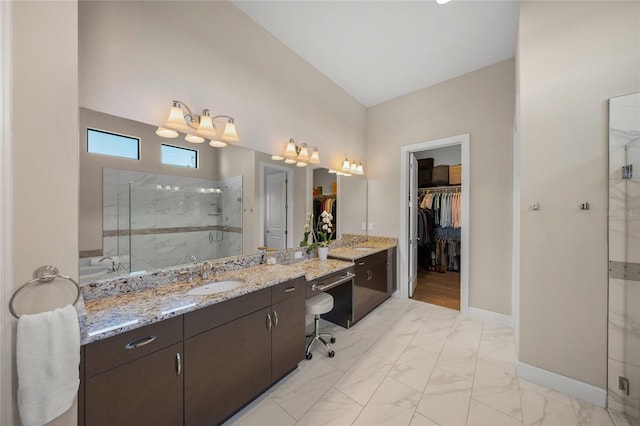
(439, 223)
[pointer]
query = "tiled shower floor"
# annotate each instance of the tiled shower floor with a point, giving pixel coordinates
(411, 363)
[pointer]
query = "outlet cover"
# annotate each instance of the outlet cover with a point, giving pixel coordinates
(297, 255)
(371, 227)
(364, 226)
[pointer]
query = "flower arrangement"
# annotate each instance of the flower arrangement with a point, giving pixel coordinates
(323, 239)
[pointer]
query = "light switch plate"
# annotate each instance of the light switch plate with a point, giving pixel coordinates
(371, 227)
(364, 226)
(297, 255)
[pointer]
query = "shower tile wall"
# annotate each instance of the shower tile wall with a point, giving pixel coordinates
(175, 204)
(624, 271)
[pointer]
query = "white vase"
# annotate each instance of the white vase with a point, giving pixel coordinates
(322, 252)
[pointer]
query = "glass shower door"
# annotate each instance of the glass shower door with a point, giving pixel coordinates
(624, 257)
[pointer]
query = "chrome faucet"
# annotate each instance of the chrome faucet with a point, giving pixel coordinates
(113, 267)
(193, 259)
(205, 270)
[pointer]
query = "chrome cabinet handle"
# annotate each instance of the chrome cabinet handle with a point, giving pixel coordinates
(269, 322)
(140, 342)
(275, 319)
(343, 279)
(290, 289)
(178, 364)
(369, 275)
(360, 263)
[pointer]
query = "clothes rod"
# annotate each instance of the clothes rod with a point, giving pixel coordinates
(454, 188)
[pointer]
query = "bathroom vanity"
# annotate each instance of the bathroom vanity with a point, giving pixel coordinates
(162, 356)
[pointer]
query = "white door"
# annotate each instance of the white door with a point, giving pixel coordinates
(413, 223)
(276, 211)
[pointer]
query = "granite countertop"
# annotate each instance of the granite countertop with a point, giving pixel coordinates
(361, 250)
(316, 268)
(120, 312)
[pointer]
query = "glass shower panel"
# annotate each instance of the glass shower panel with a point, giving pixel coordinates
(624, 257)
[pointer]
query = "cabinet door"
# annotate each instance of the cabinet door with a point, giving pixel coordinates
(226, 367)
(288, 333)
(370, 287)
(147, 391)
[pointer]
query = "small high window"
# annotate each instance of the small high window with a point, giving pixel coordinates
(101, 142)
(182, 157)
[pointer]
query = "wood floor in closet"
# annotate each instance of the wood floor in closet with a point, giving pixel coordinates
(442, 289)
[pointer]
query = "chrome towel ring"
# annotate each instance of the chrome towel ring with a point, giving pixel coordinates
(43, 274)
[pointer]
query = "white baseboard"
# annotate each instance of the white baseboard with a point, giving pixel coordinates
(580, 390)
(481, 314)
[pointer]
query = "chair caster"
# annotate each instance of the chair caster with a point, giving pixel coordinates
(309, 355)
(333, 340)
(332, 354)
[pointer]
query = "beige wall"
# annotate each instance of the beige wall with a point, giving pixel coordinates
(45, 150)
(480, 103)
(91, 165)
(135, 57)
(573, 56)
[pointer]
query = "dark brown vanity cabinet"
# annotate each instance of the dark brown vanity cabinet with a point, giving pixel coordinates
(255, 340)
(135, 377)
(370, 284)
(196, 369)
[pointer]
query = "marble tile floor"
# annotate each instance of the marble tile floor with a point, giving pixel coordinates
(412, 363)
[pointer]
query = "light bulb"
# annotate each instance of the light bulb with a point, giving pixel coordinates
(166, 133)
(206, 127)
(193, 138)
(290, 151)
(315, 157)
(176, 119)
(303, 155)
(230, 133)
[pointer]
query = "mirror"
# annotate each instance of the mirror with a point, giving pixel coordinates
(141, 215)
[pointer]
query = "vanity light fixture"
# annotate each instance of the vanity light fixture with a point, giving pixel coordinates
(197, 127)
(352, 167)
(298, 154)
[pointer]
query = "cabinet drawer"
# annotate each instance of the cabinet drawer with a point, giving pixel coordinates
(117, 350)
(286, 290)
(321, 284)
(199, 321)
(371, 259)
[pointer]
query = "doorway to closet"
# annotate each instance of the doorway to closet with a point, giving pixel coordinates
(438, 233)
(435, 220)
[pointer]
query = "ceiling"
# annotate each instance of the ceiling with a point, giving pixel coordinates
(379, 50)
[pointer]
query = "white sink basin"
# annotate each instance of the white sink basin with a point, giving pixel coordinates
(91, 272)
(363, 248)
(215, 288)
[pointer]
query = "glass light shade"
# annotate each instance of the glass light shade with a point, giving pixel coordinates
(301, 164)
(315, 157)
(346, 165)
(360, 169)
(176, 119)
(354, 167)
(230, 133)
(277, 158)
(217, 144)
(290, 160)
(303, 155)
(291, 151)
(206, 128)
(166, 133)
(193, 138)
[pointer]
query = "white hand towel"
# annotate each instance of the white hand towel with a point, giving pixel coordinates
(48, 359)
